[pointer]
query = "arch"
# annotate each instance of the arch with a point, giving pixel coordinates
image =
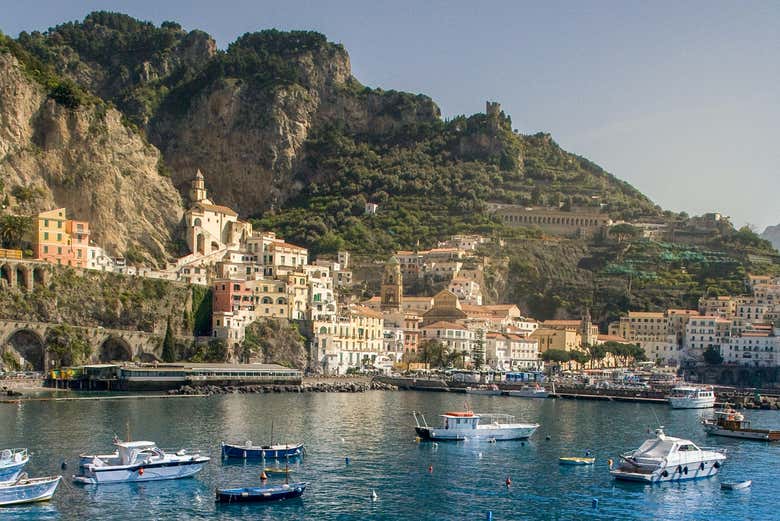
(214, 246)
(323, 329)
(39, 277)
(281, 300)
(268, 300)
(21, 277)
(7, 275)
(200, 244)
(115, 349)
(29, 345)
(197, 222)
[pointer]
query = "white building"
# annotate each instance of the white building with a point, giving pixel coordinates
(754, 349)
(467, 290)
(455, 337)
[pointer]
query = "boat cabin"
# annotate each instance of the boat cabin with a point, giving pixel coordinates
(692, 392)
(663, 447)
(460, 420)
(132, 451)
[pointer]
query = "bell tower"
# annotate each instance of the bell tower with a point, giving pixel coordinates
(392, 286)
(198, 189)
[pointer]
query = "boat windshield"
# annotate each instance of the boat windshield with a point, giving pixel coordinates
(497, 418)
(656, 448)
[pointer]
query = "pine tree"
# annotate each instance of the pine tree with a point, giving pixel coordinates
(169, 346)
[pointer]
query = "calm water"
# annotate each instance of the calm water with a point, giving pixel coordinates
(375, 431)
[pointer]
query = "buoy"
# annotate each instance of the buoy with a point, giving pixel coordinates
(374, 497)
(595, 502)
(346, 460)
(141, 471)
(430, 469)
(479, 455)
(417, 439)
(263, 476)
(508, 481)
(63, 465)
(610, 463)
(547, 438)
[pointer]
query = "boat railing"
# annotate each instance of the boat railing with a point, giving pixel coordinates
(187, 451)
(417, 420)
(715, 449)
(14, 455)
(496, 418)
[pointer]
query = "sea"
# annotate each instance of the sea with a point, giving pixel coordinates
(363, 462)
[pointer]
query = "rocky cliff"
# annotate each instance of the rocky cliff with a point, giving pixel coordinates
(772, 234)
(86, 159)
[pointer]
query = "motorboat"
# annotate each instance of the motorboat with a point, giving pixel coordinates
(731, 423)
(467, 425)
(577, 461)
(28, 490)
(264, 493)
(491, 390)
(138, 461)
(250, 451)
(12, 461)
(736, 485)
(527, 391)
(666, 458)
(692, 397)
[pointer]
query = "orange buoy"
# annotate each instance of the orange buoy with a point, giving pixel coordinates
(141, 472)
(508, 481)
(430, 469)
(263, 476)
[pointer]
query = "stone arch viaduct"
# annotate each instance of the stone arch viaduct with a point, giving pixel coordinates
(23, 275)
(27, 339)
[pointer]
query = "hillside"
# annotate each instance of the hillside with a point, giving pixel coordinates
(284, 133)
(124, 110)
(72, 150)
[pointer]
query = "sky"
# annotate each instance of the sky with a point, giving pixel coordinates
(680, 99)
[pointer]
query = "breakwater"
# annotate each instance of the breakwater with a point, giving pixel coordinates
(333, 385)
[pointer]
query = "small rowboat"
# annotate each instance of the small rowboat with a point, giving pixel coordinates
(736, 485)
(28, 490)
(576, 461)
(257, 494)
(278, 470)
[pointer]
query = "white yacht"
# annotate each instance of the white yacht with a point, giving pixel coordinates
(665, 458)
(692, 397)
(467, 425)
(138, 461)
(490, 390)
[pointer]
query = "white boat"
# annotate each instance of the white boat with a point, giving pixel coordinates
(666, 458)
(12, 461)
(731, 423)
(138, 461)
(468, 425)
(530, 392)
(692, 397)
(492, 390)
(28, 490)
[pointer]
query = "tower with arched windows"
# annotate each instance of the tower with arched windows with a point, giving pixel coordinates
(392, 286)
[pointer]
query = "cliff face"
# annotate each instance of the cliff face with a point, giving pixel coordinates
(772, 234)
(87, 160)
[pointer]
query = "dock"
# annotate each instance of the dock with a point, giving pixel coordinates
(114, 397)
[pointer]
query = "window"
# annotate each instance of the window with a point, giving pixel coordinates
(59, 224)
(59, 250)
(45, 249)
(59, 237)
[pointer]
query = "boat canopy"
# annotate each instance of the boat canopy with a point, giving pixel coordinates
(129, 450)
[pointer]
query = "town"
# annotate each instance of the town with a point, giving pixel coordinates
(256, 275)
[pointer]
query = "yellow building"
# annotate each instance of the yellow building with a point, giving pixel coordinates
(561, 339)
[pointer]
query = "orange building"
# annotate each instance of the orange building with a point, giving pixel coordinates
(59, 240)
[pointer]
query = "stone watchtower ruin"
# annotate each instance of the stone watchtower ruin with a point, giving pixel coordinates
(493, 111)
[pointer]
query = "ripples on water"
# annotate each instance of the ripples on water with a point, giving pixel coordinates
(378, 437)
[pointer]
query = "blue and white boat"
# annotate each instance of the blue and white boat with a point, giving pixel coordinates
(138, 461)
(459, 426)
(250, 451)
(25, 490)
(265, 493)
(12, 461)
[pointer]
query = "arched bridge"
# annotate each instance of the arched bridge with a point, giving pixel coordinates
(24, 275)
(28, 341)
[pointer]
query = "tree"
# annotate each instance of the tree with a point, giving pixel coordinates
(67, 345)
(169, 345)
(623, 232)
(478, 353)
(217, 351)
(556, 355)
(434, 353)
(597, 353)
(13, 229)
(712, 356)
(579, 357)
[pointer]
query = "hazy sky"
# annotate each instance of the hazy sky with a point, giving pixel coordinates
(678, 98)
